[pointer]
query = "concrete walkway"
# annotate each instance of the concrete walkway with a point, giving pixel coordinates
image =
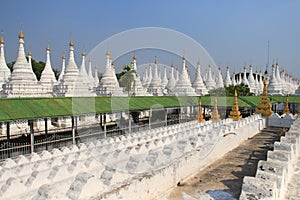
(223, 179)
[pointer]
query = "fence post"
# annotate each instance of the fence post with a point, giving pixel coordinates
(73, 130)
(129, 121)
(104, 119)
(8, 138)
(31, 135)
(46, 132)
(150, 115)
(166, 116)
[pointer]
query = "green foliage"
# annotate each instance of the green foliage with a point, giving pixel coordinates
(242, 90)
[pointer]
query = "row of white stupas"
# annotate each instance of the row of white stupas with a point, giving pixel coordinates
(22, 82)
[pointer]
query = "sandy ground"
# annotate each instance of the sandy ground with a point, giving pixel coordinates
(223, 178)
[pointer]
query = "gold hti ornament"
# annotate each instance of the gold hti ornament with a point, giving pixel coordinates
(264, 107)
(215, 114)
(286, 108)
(235, 114)
(200, 114)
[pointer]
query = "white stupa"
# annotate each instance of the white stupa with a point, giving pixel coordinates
(108, 85)
(138, 89)
(90, 75)
(219, 79)
(251, 81)
(48, 79)
(145, 78)
(233, 79)
(210, 83)
(274, 86)
(279, 80)
(257, 86)
(183, 86)
(63, 68)
(172, 81)
(23, 81)
(155, 87)
(96, 79)
(149, 78)
(245, 80)
(261, 81)
(198, 84)
(227, 78)
(4, 70)
(82, 85)
(70, 76)
(240, 78)
(164, 81)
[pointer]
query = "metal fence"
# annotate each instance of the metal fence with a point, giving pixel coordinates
(83, 134)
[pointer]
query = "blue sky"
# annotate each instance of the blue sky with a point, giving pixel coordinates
(233, 32)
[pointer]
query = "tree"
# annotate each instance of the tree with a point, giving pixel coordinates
(242, 90)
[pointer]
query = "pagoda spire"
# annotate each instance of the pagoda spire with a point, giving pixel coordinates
(264, 107)
(165, 79)
(172, 81)
(200, 114)
(47, 76)
(227, 78)
(4, 70)
(235, 114)
(60, 78)
(215, 114)
(90, 73)
(286, 108)
(198, 84)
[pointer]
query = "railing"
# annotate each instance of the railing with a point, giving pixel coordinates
(83, 134)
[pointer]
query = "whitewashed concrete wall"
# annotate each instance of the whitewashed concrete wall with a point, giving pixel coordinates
(284, 121)
(141, 165)
(272, 176)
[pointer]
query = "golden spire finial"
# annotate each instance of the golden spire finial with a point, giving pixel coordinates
(244, 66)
(71, 42)
(63, 57)
(250, 65)
(273, 65)
(286, 108)
(172, 65)
(235, 114)
(198, 62)
(215, 114)
(107, 53)
(21, 35)
(48, 46)
(200, 114)
(134, 56)
(83, 53)
(1, 38)
(227, 67)
(276, 61)
(208, 65)
(165, 66)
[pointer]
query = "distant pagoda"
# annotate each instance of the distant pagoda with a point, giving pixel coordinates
(264, 107)
(200, 114)
(215, 114)
(235, 114)
(286, 108)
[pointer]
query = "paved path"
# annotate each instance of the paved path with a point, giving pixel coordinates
(223, 178)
